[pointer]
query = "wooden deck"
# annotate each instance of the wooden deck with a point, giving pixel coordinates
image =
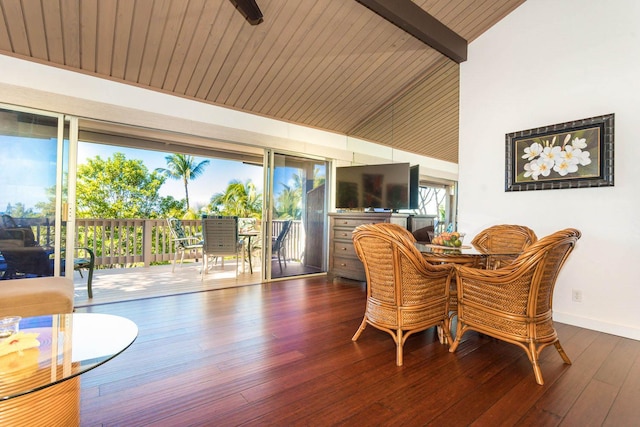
(281, 354)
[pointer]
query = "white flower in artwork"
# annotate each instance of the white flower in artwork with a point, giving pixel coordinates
(551, 153)
(545, 156)
(563, 167)
(569, 155)
(579, 143)
(583, 157)
(539, 167)
(528, 171)
(532, 151)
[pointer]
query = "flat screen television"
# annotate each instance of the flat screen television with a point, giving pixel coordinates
(386, 186)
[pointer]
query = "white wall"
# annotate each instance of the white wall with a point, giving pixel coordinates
(548, 62)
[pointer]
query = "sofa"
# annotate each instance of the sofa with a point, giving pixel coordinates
(36, 296)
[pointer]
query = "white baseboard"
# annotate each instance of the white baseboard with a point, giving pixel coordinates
(598, 325)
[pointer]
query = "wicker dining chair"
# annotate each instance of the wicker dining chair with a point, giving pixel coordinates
(503, 238)
(514, 303)
(405, 294)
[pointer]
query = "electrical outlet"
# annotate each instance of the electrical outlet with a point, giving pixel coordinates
(576, 295)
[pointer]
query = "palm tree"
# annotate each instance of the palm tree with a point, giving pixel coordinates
(239, 199)
(184, 167)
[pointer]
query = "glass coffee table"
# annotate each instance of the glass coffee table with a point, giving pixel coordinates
(41, 384)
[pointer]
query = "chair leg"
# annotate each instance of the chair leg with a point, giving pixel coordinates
(399, 345)
(175, 260)
(360, 329)
(533, 356)
(89, 282)
(564, 356)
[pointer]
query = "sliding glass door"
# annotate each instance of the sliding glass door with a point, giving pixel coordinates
(31, 192)
(296, 209)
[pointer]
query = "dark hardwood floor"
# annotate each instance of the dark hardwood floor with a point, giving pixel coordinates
(281, 354)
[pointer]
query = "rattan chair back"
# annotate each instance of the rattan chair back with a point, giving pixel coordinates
(514, 303)
(503, 239)
(405, 294)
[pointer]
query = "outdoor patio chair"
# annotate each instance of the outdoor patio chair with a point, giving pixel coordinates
(405, 294)
(278, 247)
(514, 303)
(181, 241)
(220, 239)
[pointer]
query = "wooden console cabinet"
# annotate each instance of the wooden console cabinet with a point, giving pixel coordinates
(343, 261)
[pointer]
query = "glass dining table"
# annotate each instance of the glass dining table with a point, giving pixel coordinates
(41, 364)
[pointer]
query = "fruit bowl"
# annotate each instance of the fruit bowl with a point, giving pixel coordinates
(452, 239)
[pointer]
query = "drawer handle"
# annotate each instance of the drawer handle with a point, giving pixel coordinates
(344, 234)
(344, 249)
(346, 222)
(343, 265)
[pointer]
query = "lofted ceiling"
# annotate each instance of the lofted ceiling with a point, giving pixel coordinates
(328, 64)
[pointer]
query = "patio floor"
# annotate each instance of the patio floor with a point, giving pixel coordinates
(124, 284)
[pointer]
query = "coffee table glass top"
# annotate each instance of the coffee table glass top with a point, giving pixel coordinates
(67, 345)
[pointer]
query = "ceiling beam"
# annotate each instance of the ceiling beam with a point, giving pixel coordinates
(250, 10)
(410, 17)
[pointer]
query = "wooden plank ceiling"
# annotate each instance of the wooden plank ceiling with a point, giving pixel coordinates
(328, 64)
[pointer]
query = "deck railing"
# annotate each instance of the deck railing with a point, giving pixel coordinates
(128, 242)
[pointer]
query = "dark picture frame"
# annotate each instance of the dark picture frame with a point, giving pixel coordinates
(576, 154)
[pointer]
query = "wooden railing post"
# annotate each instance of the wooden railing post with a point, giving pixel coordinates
(147, 229)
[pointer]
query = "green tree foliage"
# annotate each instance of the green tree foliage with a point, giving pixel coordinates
(185, 168)
(117, 188)
(239, 199)
(18, 211)
(171, 207)
(289, 202)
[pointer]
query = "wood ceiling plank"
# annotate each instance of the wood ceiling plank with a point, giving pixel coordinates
(157, 22)
(105, 35)
(34, 25)
(14, 18)
(268, 70)
(175, 19)
(261, 51)
(314, 76)
(196, 57)
(88, 34)
(209, 49)
(53, 29)
(288, 70)
(124, 20)
(401, 68)
(70, 13)
(278, 76)
(138, 40)
(367, 84)
(183, 41)
(219, 44)
(5, 40)
(232, 42)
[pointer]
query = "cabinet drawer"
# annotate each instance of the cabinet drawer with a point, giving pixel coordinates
(344, 249)
(347, 264)
(342, 234)
(354, 222)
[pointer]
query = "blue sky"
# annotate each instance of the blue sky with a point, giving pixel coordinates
(215, 179)
(28, 166)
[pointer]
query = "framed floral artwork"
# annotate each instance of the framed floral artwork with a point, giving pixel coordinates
(574, 154)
